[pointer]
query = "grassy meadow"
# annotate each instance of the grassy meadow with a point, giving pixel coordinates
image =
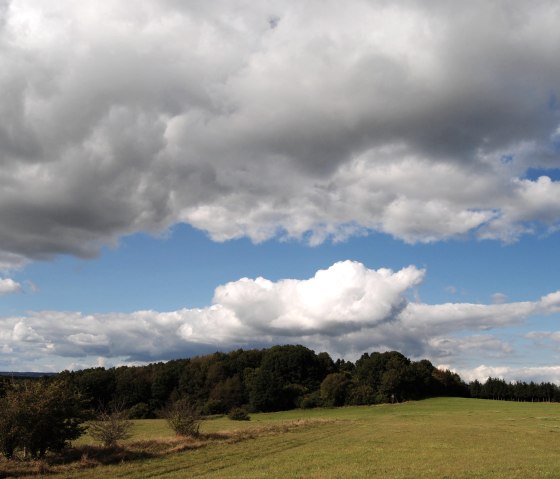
(435, 438)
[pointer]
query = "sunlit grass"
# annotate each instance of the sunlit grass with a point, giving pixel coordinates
(438, 438)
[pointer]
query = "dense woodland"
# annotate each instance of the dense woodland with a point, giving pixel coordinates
(280, 378)
(499, 389)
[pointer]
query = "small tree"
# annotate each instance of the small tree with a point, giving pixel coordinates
(334, 389)
(183, 417)
(9, 428)
(110, 428)
(38, 416)
(239, 414)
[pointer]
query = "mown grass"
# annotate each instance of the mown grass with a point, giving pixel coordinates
(437, 438)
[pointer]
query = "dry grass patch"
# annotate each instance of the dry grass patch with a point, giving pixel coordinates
(170, 445)
(90, 456)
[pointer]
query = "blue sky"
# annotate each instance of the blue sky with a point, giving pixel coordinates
(358, 178)
(182, 270)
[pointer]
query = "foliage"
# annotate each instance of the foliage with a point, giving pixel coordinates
(361, 394)
(37, 416)
(183, 417)
(312, 400)
(273, 379)
(229, 392)
(96, 384)
(285, 375)
(239, 414)
(110, 427)
(495, 388)
(140, 410)
(334, 389)
(213, 407)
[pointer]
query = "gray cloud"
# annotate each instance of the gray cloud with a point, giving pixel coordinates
(312, 120)
(479, 345)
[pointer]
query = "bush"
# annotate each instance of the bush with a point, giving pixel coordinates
(39, 416)
(140, 411)
(110, 428)
(184, 418)
(311, 401)
(214, 406)
(361, 394)
(334, 389)
(239, 414)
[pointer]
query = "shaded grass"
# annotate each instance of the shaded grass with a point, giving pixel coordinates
(437, 438)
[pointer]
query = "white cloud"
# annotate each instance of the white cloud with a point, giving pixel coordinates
(345, 299)
(346, 309)
(499, 298)
(8, 286)
(310, 120)
(449, 317)
(537, 373)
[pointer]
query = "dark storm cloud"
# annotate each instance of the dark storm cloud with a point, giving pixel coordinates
(310, 120)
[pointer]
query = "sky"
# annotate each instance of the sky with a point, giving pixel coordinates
(179, 178)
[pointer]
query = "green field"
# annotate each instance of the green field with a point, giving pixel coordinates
(436, 438)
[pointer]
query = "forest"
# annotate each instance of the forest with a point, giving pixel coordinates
(280, 378)
(273, 379)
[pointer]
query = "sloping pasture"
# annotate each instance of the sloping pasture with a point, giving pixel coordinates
(436, 438)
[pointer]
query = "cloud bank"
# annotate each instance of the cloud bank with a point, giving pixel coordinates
(346, 310)
(537, 374)
(311, 120)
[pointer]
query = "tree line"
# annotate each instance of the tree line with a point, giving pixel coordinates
(279, 378)
(499, 389)
(42, 414)
(272, 379)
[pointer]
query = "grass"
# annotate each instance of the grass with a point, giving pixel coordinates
(436, 438)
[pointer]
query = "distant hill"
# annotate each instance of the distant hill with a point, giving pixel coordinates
(25, 374)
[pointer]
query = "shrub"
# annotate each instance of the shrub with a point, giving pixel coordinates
(239, 414)
(214, 406)
(183, 417)
(110, 428)
(361, 394)
(311, 401)
(140, 411)
(39, 416)
(334, 389)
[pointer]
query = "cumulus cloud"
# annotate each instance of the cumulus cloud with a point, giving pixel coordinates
(8, 286)
(309, 120)
(346, 297)
(343, 300)
(346, 309)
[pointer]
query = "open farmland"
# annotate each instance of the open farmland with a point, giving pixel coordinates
(436, 438)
